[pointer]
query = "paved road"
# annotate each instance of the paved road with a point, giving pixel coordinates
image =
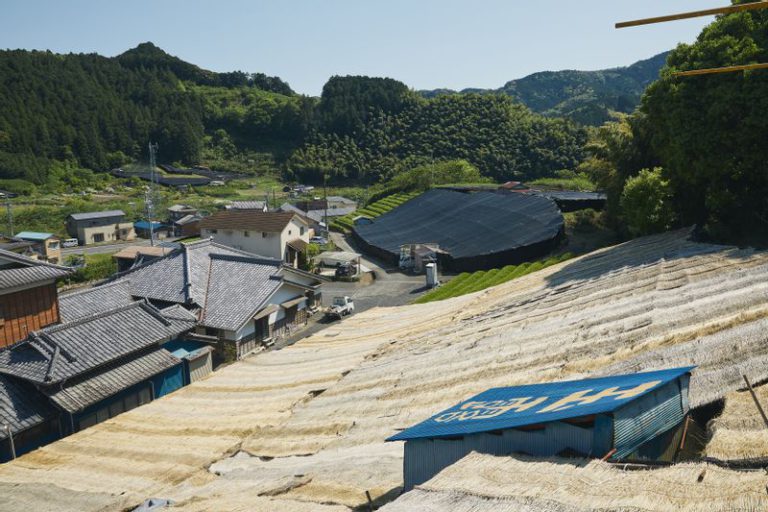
(109, 248)
(389, 289)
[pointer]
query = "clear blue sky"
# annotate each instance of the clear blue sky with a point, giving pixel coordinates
(425, 43)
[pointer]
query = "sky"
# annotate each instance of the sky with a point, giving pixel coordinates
(426, 44)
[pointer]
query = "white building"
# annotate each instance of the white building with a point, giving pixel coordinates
(278, 235)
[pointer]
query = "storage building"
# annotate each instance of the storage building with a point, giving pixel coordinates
(626, 417)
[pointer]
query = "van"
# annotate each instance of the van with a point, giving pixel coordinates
(70, 242)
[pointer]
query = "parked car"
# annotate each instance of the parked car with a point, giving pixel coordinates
(345, 269)
(69, 242)
(320, 240)
(342, 306)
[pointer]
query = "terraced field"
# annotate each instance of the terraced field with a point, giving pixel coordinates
(345, 224)
(303, 428)
(467, 282)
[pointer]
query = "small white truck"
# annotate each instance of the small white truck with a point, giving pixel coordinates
(342, 306)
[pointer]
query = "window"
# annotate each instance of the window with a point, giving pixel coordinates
(214, 231)
(245, 233)
(53, 246)
(98, 237)
(263, 235)
(290, 232)
(301, 231)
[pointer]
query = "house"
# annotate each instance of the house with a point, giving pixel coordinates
(24, 411)
(315, 221)
(179, 211)
(97, 227)
(248, 205)
(625, 417)
(277, 235)
(241, 301)
(145, 229)
(28, 297)
(137, 255)
(188, 226)
(46, 246)
(98, 366)
(340, 202)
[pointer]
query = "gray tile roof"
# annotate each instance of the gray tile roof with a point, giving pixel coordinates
(110, 380)
(21, 406)
(62, 352)
(247, 205)
(19, 270)
(226, 283)
(97, 215)
(238, 288)
(80, 304)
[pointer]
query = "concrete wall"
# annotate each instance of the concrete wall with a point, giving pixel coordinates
(269, 245)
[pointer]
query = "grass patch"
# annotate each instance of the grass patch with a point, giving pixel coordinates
(474, 282)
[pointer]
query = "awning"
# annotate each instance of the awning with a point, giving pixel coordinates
(298, 244)
(293, 302)
(266, 311)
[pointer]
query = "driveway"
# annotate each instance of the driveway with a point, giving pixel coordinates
(391, 288)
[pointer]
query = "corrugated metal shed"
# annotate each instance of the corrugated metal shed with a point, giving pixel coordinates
(519, 406)
(589, 417)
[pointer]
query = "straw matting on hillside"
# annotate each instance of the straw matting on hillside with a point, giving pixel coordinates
(507, 484)
(308, 422)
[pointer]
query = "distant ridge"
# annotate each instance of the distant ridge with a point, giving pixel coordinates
(588, 97)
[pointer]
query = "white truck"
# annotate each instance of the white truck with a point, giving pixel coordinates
(342, 306)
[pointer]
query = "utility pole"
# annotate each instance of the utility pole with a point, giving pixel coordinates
(151, 192)
(10, 216)
(325, 199)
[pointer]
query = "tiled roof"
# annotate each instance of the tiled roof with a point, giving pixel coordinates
(21, 270)
(34, 235)
(111, 379)
(238, 288)
(21, 406)
(97, 215)
(182, 208)
(80, 304)
(65, 351)
(252, 220)
(247, 205)
(226, 283)
(187, 219)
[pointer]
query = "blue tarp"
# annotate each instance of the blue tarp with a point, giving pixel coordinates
(503, 408)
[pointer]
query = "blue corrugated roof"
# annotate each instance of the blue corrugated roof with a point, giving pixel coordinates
(33, 235)
(143, 224)
(502, 408)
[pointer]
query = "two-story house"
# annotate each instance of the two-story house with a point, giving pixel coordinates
(96, 227)
(28, 297)
(276, 235)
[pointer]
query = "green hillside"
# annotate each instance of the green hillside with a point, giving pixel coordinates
(588, 97)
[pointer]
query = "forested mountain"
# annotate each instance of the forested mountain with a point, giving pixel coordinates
(65, 112)
(588, 97)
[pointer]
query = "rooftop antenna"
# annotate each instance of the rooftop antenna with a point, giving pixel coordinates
(151, 192)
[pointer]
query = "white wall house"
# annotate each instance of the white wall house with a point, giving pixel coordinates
(278, 235)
